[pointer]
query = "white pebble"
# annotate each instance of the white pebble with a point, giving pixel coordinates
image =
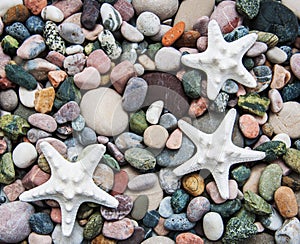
(139, 69)
(131, 33)
(276, 55)
(148, 24)
(276, 102)
(146, 62)
(24, 155)
(283, 138)
(74, 49)
(168, 59)
(154, 111)
(111, 18)
(27, 97)
(213, 226)
(52, 13)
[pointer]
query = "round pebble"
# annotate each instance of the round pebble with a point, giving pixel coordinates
(52, 13)
(148, 23)
(165, 209)
(197, 207)
(8, 100)
(193, 184)
(24, 155)
(87, 79)
(72, 33)
(41, 223)
(213, 226)
(119, 230)
(295, 64)
(286, 202)
(276, 55)
(142, 182)
(249, 126)
(185, 238)
(167, 59)
(155, 136)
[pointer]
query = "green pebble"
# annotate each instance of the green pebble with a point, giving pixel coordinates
(248, 63)
(179, 200)
(191, 82)
(273, 150)
(153, 48)
(20, 76)
(292, 159)
(111, 162)
(241, 174)
(84, 211)
(254, 104)
(238, 230)
(227, 208)
(269, 38)
(23, 111)
(138, 123)
(13, 126)
(244, 215)
(270, 181)
(249, 8)
(7, 171)
(140, 159)
(256, 204)
(9, 45)
(67, 92)
(93, 227)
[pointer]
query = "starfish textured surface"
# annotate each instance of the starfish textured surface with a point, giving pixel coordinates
(222, 60)
(216, 152)
(71, 184)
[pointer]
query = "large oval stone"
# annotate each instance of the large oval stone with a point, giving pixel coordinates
(106, 115)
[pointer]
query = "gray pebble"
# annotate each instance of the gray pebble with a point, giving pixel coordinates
(220, 103)
(169, 182)
(72, 33)
(34, 135)
(18, 31)
(142, 182)
(87, 136)
(8, 100)
(179, 222)
(165, 209)
(168, 121)
(289, 232)
(128, 140)
(78, 124)
(230, 87)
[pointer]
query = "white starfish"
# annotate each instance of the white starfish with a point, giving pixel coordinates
(222, 60)
(216, 152)
(71, 184)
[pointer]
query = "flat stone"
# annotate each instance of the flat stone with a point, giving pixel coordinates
(193, 184)
(120, 182)
(31, 47)
(14, 190)
(276, 101)
(43, 121)
(158, 239)
(286, 202)
(52, 13)
(24, 155)
(35, 238)
(276, 55)
(6, 5)
(103, 177)
(125, 9)
(88, 79)
(294, 61)
(99, 60)
(142, 182)
(8, 100)
(90, 14)
(148, 23)
(179, 222)
(119, 230)
(140, 207)
(167, 59)
(140, 159)
(155, 136)
(165, 209)
(175, 140)
(197, 207)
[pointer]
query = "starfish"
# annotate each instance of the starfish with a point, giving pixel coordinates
(222, 60)
(216, 152)
(71, 184)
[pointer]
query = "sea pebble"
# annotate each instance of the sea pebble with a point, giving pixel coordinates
(87, 136)
(103, 177)
(52, 38)
(142, 182)
(14, 225)
(185, 238)
(41, 223)
(44, 100)
(213, 191)
(286, 202)
(76, 237)
(35, 6)
(35, 24)
(35, 238)
(18, 13)
(197, 207)
(52, 13)
(288, 232)
(165, 209)
(118, 230)
(131, 33)
(175, 140)
(109, 45)
(213, 226)
(99, 60)
(155, 136)
(140, 159)
(276, 55)
(294, 62)
(148, 23)
(87, 79)
(276, 102)
(8, 100)
(68, 7)
(74, 64)
(34, 135)
(179, 222)
(154, 111)
(34, 177)
(43, 121)
(193, 184)
(90, 14)
(151, 218)
(24, 155)
(168, 59)
(257, 49)
(111, 18)
(31, 47)
(39, 68)
(74, 49)
(140, 207)
(56, 58)
(14, 190)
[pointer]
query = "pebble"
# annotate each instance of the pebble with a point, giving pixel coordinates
(134, 94)
(35, 6)
(142, 182)
(131, 33)
(179, 222)
(165, 209)
(104, 177)
(6, 5)
(31, 47)
(99, 60)
(68, 7)
(191, 82)
(276, 55)
(167, 59)
(276, 102)
(256, 204)
(148, 23)
(186, 238)
(34, 177)
(52, 38)
(294, 62)
(87, 136)
(111, 18)
(74, 64)
(197, 207)
(18, 13)
(291, 91)
(13, 190)
(286, 202)
(13, 126)
(151, 219)
(44, 100)
(34, 238)
(179, 200)
(138, 123)
(24, 155)
(173, 34)
(175, 140)
(68, 112)
(257, 49)
(154, 111)
(14, 225)
(118, 230)
(168, 180)
(212, 190)
(137, 236)
(193, 184)
(273, 221)
(52, 13)
(109, 45)
(270, 181)
(140, 207)
(7, 175)
(128, 140)
(227, 208)
(249, 9)
(168, 121)
(123, 209)
(140, 159)
(291, 158)
(249, 126)
(56, 215)
(90, 14)
(158, 239)
(107, 101)
(155, 136)
(288, 232)
(35, 25)
(213, 226)
(74, 49)
(273, 150)
(43, 121)
(283, 138)
(87, 79)
(8, 100)
(41, 223)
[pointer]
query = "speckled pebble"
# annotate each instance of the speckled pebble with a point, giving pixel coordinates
(197, 207)
(151, 218)
(179, 222)
(249, 126)
(179, 201)
(35, 25)
(148, 23)
(41, 223)
(165, 209)
(119, 230)
(8, 100)
(18, 31)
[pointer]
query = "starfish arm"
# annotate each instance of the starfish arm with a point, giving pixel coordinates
(244, 77)
(91, 157)
(214, 85)
(41, 192)
(242, 45)
(226, 127)
(54, 158)
(102, 197)
(221, 179)
(195, 135)
(239, 154)
(68, 214)
(214, 33)
(195, 61)
(189, 166)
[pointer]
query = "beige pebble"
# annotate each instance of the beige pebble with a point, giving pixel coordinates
(155, 136)
(280, 77)
(276, 55)
(276, 102)
(252, 182)
(175, 140)
(284, 138)
(146, 62)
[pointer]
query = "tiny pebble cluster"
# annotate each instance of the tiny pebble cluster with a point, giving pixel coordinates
(79, 72)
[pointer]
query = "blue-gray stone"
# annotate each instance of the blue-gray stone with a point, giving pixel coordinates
(179, 200)
(151, 218)
(297, 144)
(237, 33)
(87, 136)
(220, 103)
(179, 222)
(248, 63)
(128, 140)
(291, 91)
(18, 31)
(41, 223)
(35, 24)
(263, 74)
(230, 87)
(289, 52)
(227, 208)
(168, 121)
(165, 209)
(241, 174)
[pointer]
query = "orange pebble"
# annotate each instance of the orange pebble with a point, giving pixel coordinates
(173, 34)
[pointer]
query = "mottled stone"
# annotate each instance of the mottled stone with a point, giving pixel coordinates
(8, 100)
(140, 159)
(142, 182)
(179, 222)
(227, 208)
(289, 232)
(103, 177)
(196, 208)
(119, 230)
(273, 221)
(14, 190)
(186, 238)
(16, 13)
(90, 14)
(138, 122)
(253, 103)
(7, 170)
(248, 8)
(93, 227)
(41, 223)
(68, 7)
(13, 126)
(52, 38)
(273, 150)
(286, 202)
(35, 177)
(35, 24)
(256, 204)
(179, 201)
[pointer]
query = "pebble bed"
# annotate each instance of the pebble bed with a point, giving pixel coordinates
(79, 72)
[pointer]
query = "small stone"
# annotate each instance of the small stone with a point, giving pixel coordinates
(289, 231)
(257, 49)
(41, 223)
(125, 9)
(90, 14)
(18, 31)
(291, 92)
(175, 140)
(173, 34)
(179, 222)
(77, 234)
(68, 7)
(17, 13)
(273, 150)
(34, 177)
(179, 200)
(286, 202)
(44, 100)
(137, 236)
(193, 184)
(220, 103)
(227, 208)
(140, 207)
(283, 138)
(52, 13)
(186, 238)
(273, 221)
(276, 55)
(167, 59)
(87, 136)
(14, 190)
(191, 81)
(198, 107)
(35, 25)
(213, 191)
(256, 204)
(213, 226)
(68, 112)
(111, 18)
(249, 126)
(52, 38)
(24, 155)
(43, 121)
(109, 44)
(103, 177)
(13, 126)
(165, 209)
(74, 64)
(196, 208)
(14, 226)
(87, 79)
(35, 6)
(99, 60)
(291, 158)
(151, 218)
(101, 239)
(131, 33)
(72, 33)
(34, 238)
(276, 102)
(7, 170)
(128, 140)
(8, 100)
(119, 230)
(168, 121)
(140, 159)
(168, 180)
(241, 174)
(248, 8)
(188, 40)
(155, 136)
(31, 47)
(254, 103)
(142, 182)
(148, 23)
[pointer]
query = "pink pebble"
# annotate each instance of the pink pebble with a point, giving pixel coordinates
(99, 60)
(35, 177)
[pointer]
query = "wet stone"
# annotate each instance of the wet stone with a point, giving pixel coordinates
(41, 223)
(123, 209)
(179, 222)
(179, 201)
(256, 204)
